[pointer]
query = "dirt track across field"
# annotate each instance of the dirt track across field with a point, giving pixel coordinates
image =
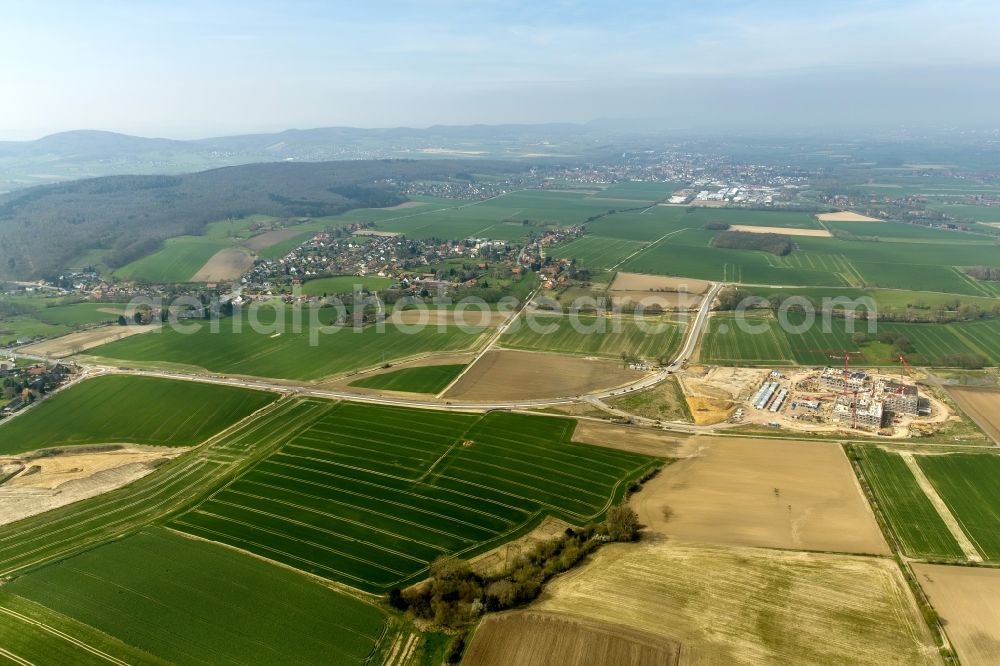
(968, 601)
(503, 374)
(982, 405)
(762, 492)
(75, 343)
(529, 638)
(784, 231)
(733, 605)
(845, 216)
(225, 265)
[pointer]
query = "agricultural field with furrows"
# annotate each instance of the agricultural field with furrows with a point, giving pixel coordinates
(689, 254)
(969, 483)
(909, 260)
(905, 506)
(597, 336)
(723, 343)
(119, 409)
(885, 300)
(59, 533)
(645, 225)
(178, 600)
(596, 252)
(370, 495)
(761, 340)
(277, 350)
(33, 634)
(424, 379)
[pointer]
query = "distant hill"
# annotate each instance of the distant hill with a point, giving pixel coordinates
(42, 228)
(89, 153)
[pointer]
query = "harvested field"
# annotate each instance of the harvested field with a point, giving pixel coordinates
(762, 492)
(968, 602)
(549, 639)
(269, 238)
(666, 300)
(512, 375)
(786, 231)
(982, 406)
(225, 265)
(749, 606)
(640, 282)
(845, 216)
(630, 438)
(471, 317)
(74, 343)
(45, 483)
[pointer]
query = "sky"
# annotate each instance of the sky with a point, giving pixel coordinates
(186, 69)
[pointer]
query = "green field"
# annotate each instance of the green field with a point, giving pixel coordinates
(911, 516)
(969, 213)
(425, 379)
(970, 485)
(77, 314)
(886, 300)
(907, 257)
(179, 259)
(59, 533)
(47, 316)
(370, 495)
(33, 634)
(726, 342)
(185, 601)
(596, 252)
(130, 409)
(645, 225)
(597, 336)
(344, 284)
(645, 191)
(277, 350)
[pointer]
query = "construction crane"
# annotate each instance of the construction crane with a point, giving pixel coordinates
(904, 366)
(852, 396)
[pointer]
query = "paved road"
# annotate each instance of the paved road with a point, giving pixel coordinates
(692, 336)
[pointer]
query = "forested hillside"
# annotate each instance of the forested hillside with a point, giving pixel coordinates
(43, 228)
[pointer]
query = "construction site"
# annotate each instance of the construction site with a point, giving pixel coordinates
(881, 402)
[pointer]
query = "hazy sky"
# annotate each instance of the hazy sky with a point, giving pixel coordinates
(183, 68)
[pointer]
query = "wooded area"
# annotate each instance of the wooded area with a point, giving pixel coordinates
(43, 228)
